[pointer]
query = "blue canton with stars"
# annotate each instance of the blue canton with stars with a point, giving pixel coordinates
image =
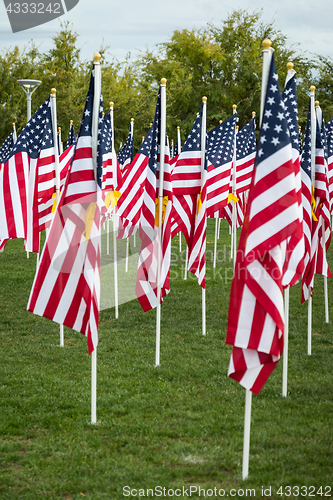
(274, 133)
(6, 148)
(37, 133)
(246, 140)
(220, 142)
(176, 152)
(306, 148)
(289, 97)
(127, 149)
(155, 129)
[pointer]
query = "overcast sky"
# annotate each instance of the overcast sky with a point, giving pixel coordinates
(134, 25)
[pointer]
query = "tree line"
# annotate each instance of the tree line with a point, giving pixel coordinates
(223, 63)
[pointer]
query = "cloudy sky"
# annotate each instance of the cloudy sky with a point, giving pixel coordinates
(134, 25)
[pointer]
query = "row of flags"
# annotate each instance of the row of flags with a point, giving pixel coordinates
(284, 214)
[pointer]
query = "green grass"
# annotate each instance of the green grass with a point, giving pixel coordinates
(177, 425)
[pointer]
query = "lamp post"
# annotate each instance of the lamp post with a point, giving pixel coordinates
(29, 87)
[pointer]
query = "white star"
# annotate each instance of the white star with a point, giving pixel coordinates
(275, 141)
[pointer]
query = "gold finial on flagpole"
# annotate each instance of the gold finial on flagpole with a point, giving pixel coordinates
(204, 99)
(266, 44)
(13, 124)
(178, 127)
(253, 114)
(163, 81)
(312, 88)
(53, 91)
(317, 104)
(234, 107)
(111, 104)
(290, 66)
(70, 121)
(132, 120)
(97, 57)
(220, 122)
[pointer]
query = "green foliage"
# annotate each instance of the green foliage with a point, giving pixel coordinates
(221, 62)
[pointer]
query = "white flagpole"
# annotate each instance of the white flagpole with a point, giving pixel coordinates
(313, 173)
(285, 342)
(114, 217)
(319, 115)
(53, 104)
(61, 146)
(267, 54)
(95, 117)
(203, 157)
(160, 207)
(178, 151)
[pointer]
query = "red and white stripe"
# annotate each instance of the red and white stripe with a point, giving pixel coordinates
(227, 212)
(244, 172)
(146, 283)
(66, 287)
(218, 181)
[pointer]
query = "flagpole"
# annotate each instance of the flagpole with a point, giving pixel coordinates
(313, 174)
(95, 118)
(53, 104)
(285, 342)
(267, 54)
(180, 234)
(114, 216)
(319, 116)
(215, 240)
(203, 158)
(234, 228)
(14, 134)
(160, 207)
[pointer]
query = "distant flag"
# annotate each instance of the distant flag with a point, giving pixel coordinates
(294, 260)
(186, 182)
(66, 287)
(147, 276)
(245, 156)
(130, 202)
(220, 151)
(6, 148)
(71, 135)
(256, 317)
(19, 179)
(329, 136)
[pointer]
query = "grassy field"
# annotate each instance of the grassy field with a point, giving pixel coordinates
(178, 425)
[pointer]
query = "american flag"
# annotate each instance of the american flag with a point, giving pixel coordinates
(256, 316)
(245, 156)
(329, 137)
(294, 246)
(186, 182)
(219, 153)
(131, 199)
(146, 283)
(227, 211)
(19, 179)
(71, 135)
(6, 148)
(110, 182)
(125, 155)
(66, 287)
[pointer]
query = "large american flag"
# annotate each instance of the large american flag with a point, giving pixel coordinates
(146, 283)
(219, 153)
(256, 316)
(66, 287)
(33, 151)
(294, 246)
